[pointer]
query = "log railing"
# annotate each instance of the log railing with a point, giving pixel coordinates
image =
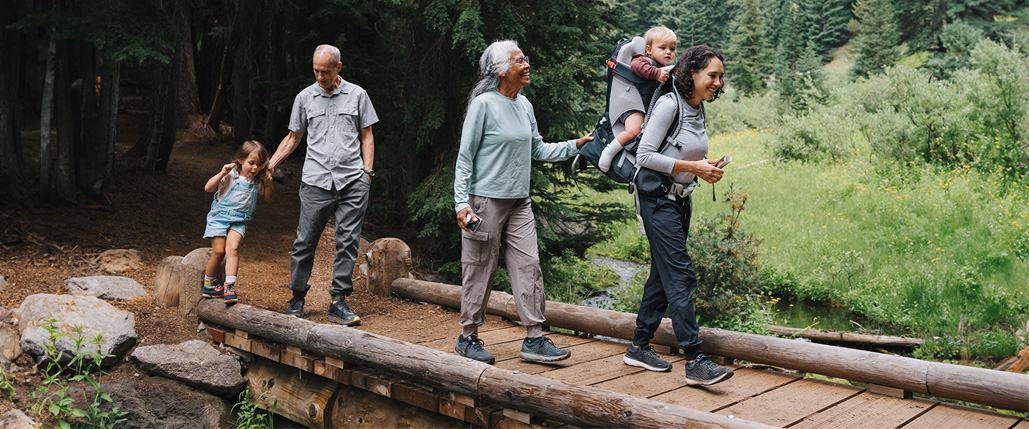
(981, 386)
(551, 399)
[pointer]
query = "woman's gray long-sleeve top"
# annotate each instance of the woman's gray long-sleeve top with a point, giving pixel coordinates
(689, 145)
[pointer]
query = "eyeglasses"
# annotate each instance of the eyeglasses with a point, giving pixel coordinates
(522, 61)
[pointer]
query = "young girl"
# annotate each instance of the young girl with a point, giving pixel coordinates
(238, 185)
(660, 50)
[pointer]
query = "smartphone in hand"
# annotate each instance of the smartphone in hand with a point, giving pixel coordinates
(723, 161)
(472, 226)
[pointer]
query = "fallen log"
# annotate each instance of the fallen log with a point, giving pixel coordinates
(539, 396)
(847, 337)
(982, 386)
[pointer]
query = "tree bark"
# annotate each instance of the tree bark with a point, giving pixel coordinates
(66, 105)
(90, 152)
(110, 83)
(220, 104)
(46, 145)
(9, 170)
(187, 100)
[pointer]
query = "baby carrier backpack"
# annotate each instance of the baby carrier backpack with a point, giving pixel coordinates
(626, 92)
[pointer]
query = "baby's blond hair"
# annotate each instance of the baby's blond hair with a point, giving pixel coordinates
(657, 34)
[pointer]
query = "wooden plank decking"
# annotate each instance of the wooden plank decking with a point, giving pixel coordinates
(758, 393)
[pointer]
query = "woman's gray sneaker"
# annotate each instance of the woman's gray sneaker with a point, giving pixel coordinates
(542, 349)
(705, 372)
(471, 347)
(644, 357)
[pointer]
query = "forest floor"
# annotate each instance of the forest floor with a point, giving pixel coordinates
(163, 214)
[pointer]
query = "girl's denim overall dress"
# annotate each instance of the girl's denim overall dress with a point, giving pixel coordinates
(234, 209)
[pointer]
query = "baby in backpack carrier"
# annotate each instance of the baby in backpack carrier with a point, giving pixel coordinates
(660, 52)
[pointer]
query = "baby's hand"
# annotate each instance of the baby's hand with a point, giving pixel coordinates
(228, 167)
(664, 76)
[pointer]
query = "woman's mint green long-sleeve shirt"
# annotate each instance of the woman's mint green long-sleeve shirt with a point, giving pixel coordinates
(499, 140)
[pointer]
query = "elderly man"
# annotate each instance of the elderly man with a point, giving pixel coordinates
(337, 117)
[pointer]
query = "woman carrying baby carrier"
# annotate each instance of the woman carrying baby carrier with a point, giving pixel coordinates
(698, 76)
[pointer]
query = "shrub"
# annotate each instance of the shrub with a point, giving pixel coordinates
(821, 135)
(731, 114)
(725, 259)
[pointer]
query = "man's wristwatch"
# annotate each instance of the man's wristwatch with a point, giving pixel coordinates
(370, 173)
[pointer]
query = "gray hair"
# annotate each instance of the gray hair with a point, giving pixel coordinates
(328, 49)
(495, 61)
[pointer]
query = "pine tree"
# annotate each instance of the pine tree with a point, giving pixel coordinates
(788, 79)
(876, 36)
(826, 24)
(748, 58)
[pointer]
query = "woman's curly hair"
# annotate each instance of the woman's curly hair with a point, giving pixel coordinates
(693, 60)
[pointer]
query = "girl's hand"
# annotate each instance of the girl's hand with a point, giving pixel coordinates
(228, 167)
(664, 76)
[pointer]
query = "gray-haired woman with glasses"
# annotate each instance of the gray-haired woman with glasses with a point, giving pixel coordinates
(499, 140)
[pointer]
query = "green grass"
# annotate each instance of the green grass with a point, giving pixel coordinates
(941, 251)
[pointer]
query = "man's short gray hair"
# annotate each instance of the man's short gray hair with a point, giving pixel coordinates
(495, 61)
(330, 50)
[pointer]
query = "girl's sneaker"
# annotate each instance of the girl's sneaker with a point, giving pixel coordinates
(212, 289)
(229, 293)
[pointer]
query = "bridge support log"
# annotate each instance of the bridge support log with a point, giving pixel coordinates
(551, 399)
(304, 399)
(982, 386)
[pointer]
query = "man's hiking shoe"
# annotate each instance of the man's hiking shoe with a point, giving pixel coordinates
(229, 293)
(295, 308)
(705, 372)
(213, 289)
(471, 347)
(340, 312)
(644, 357)
(542, 349)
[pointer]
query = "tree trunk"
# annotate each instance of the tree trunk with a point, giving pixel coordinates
(187, 101)
(91, 152)
(46, 145)
(110, 82)
(9, 170)
(220, 104)
(66, 106)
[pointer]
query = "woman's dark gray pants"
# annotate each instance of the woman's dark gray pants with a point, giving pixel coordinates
(316, 205)
(672, 280)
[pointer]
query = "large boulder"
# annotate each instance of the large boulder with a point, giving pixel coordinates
(111, 288)
(116, 328)
(155, 402)
(118, 260)
(16, 419)
(195, 363)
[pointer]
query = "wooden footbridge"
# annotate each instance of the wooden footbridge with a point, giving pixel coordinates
(308, 366)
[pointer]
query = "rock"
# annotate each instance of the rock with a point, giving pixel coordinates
(95, 316)
(193, 266)
(16, 419)
(3, 282)
(154, 402)
(195, 363)
(10, 338)
(168, 281)
(7, 366)
(117, 260)
(111, 288)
